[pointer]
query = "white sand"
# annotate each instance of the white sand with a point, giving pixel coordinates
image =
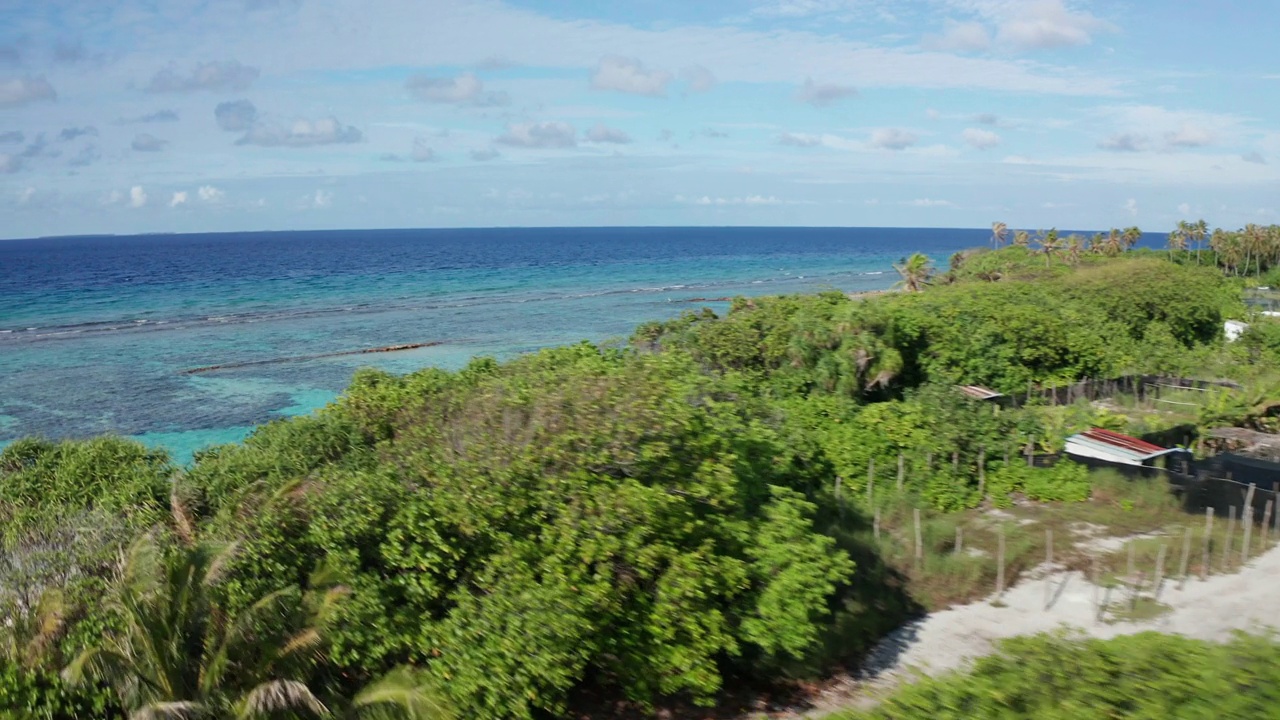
(942, 641)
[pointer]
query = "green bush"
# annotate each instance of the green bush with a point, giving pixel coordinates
(40, 695)
(1148, 676)
(1066, 481)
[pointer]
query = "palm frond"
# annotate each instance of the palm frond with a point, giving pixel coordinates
(405, 693)
(169, 711)
(280, 696)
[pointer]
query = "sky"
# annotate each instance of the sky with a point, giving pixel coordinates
(139, 116)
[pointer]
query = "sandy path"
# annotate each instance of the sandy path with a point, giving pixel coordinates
(1209, 610)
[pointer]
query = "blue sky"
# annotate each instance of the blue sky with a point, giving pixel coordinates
(124, 116)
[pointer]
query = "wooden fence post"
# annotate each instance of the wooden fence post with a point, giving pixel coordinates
(982, 473)
(955, 462)
(1155, 586)
(1226, 548)
(1208, 541)
(1130, 570)
(1031, 449)
(959, 539)
(1048, 567)
(902, 471)
(1186, 557)
(999, 561)
(919, 538)
(1266, 524)
(1246, 518)
(1097, 589)
(875, 524)
(1276, 518)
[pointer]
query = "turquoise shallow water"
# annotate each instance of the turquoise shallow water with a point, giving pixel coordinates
(95, 333)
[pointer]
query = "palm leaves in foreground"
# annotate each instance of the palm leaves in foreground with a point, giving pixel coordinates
(178, 655)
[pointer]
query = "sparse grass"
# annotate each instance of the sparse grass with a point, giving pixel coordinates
(1121, 514)
(1140, 610)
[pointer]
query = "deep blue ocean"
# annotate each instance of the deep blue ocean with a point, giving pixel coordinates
(96, 332)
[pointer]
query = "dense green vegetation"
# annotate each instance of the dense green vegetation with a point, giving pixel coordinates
(1146, 676)
(660, 519)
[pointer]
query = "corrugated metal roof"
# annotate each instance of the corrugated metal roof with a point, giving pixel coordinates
(978, 392)
(1123, 441)
(1106, 444)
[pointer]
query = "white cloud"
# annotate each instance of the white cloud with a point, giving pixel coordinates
(980, 139)
(1184, 210)
(323, 198)
(1124, 142)
(460, 32)
(210, 194)
(699, 79)
(9, 163)
(601, 133)
(1177, 128)
(893, 139)
(1131, 207)
(235, 115)
(465, 89)
(179, 198)
(629, 75)
(930, 203)
(823, 94)
(422, 152)
(1189, 136)
(25, 195)
(1044, 24)
(960, 37)
(302, 133)
(215, 76)
(799, 139)
(146, 142)
(137, 196)
(18, 91)
(550, 134)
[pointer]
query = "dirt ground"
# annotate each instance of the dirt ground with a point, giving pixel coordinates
(1051, 599)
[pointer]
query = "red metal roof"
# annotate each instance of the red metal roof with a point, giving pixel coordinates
(1122, 441)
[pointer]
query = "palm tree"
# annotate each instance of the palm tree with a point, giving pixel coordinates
(1114, 244)
(999, 233)
(1022, 238)
(1049, 243)
(179, 655)
(915, 271)
(1075, 246)
(1178, 238)
(1131, 236)
(1196, 233)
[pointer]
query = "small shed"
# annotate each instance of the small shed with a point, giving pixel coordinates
(978, 392)
(1114, 447)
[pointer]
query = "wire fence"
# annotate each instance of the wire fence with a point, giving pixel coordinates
(1146, 388)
